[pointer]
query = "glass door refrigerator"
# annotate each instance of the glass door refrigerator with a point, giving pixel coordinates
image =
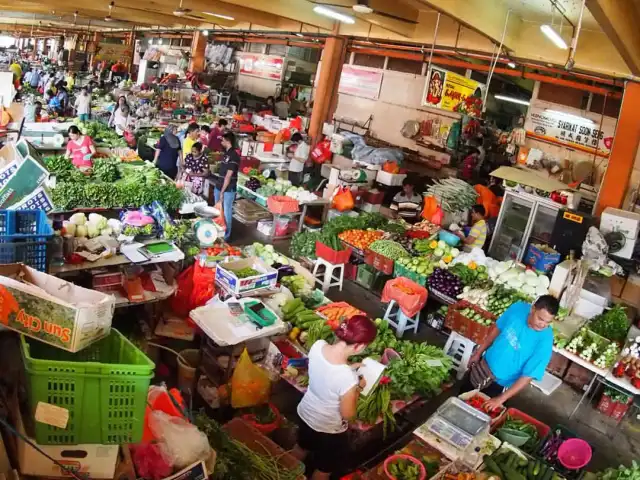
(523, 219)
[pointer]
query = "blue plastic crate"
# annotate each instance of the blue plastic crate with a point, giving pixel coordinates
(25, 236)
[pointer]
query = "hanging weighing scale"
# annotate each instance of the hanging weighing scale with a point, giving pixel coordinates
(453, 427)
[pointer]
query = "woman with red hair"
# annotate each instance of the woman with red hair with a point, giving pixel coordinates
(331, 399)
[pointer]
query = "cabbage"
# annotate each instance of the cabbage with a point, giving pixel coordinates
(532, 280)
(78, 219)
(81, 231)
(454, 252)
(442, 244)
(438, 252)
(92, 230)
(98, 220)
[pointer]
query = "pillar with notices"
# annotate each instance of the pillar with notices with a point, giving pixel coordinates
(198, 47)
(326, 97)
(623, 153)
(97, 38)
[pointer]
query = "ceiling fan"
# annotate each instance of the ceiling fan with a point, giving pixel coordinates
(364, 7)
(185, 12)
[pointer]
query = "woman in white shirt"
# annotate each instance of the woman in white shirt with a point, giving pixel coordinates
(331, 399)
(122, 119)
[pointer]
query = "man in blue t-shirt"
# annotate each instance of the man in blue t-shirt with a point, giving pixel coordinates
(518, 348)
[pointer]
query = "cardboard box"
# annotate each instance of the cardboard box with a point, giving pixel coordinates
(578, 377)
(93, 460)
(631, 291)
(617, 285)
(52, 310)
(540, 259)
(558, 365)
(225, 275)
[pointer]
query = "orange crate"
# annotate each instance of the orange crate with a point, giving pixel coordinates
(469, 328)
(282, 205)
(379, 262)
(542, 428)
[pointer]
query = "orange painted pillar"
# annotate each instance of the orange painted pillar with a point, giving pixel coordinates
(624, 150)
(130, 41)
(198, 46)
(326, 98)
(97, 37)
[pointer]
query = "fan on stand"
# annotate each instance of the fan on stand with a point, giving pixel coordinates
(615, 240)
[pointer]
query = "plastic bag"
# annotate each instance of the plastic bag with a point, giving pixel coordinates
(151, 462)
(343, 200)
(432, 210)
(265, 428)
(203, 285)
(410, 296)
(220, 219)
(321, 152)
(182, 443)
(180, 302)
(250, 384)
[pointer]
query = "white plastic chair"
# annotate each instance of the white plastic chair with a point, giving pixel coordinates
(333, 274)
(460, 349)
(399, 320)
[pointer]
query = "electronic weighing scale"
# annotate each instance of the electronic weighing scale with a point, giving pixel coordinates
(454, 427)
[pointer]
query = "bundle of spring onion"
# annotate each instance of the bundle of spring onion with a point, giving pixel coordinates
(236, 461)
(454, 195)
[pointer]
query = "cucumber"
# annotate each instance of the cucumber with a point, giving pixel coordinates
(512, 474)
(492, 466)
(547, 474)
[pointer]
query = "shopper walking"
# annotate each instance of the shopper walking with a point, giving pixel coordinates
(516, 351)
(196, 168)
(331, 398)
(83, 105)
(168, 153)
(225, 190)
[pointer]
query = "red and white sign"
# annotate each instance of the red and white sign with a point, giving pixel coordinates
(263, 66)
(360, 82)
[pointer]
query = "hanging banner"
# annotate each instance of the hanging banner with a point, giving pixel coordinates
(360, 82)
(570, 130)
(113, 52)
(444, 89)
(259, 65)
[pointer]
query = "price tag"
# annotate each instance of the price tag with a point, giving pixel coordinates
(52, 415)
(434, 363)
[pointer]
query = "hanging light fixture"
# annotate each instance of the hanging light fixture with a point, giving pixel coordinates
(108, 18)
(554, 36)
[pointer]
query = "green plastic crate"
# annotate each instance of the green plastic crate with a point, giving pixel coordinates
(104, 387)
(402, 271)
(366, 275)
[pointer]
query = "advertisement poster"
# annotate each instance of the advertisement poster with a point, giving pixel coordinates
(570, 130)
(113, 52)
(444, 89)
(360, 82)
(263, 66)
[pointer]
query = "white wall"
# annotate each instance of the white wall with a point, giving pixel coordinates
(399, 101)
(262, 87)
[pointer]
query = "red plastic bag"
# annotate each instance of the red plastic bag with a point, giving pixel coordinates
(410, 296)
(204, 279)
(343, 200)
(321, 152)
(180, 302)
(265, 428)
(220, 220)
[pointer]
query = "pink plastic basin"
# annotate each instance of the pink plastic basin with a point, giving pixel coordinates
(574, 453)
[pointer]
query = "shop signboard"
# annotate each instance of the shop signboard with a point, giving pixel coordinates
(360, 82)
(445, 90)
(571, 130)
(113, 52)
(263, 66)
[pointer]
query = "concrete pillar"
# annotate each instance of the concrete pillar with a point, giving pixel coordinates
(198, 46)
(326, 97)
(624, 151)
(97, 37)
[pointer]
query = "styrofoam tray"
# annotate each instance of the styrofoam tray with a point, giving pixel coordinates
(548, 384)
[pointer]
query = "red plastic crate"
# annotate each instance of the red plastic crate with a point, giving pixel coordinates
(457, 322)
(606, 405)
(350, 271)
(331, 255)
(543, 428)
(619, 409)
(379, 262)
(282, 205)
(375, 198)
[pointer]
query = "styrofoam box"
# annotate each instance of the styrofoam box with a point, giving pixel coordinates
(390, 179)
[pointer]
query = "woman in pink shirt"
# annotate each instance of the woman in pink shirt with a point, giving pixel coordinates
(80, 148)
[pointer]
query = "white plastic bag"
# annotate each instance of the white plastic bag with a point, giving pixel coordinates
(181, 442)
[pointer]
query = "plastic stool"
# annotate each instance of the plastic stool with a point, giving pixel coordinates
(399, 320)
(328, 279)
(460, 349)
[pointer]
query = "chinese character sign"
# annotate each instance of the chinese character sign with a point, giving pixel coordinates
(571, 130)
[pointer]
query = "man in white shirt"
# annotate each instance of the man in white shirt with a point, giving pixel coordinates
(298, 152)
(83, 105)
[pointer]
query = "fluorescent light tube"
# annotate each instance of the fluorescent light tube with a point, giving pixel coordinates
(504, 98)
(554, 36)
(327, 12)
(569, 116)
(224, 17)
